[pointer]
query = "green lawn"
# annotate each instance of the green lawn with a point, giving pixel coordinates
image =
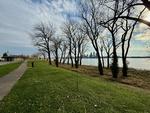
(47, 89)
(5, 69)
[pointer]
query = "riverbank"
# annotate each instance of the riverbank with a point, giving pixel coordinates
(136, 78)
(48, 89)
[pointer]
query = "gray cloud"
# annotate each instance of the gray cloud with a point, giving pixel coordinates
(18, 17)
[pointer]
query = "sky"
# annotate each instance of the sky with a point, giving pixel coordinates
(17, 18)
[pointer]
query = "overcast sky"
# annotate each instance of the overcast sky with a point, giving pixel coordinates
(17, 18)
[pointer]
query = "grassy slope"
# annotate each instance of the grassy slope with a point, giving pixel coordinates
(137, 78)
(46, 89)
(5, 69)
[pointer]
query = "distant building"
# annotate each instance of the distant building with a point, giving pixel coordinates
(13, 58)
(8, 58)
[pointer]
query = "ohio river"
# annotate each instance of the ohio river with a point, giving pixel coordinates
(136, 63)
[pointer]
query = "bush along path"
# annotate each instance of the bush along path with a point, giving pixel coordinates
(8, 81)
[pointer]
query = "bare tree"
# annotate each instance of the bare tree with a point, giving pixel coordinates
(63, 48)
(76, 39)
(107, 44)
(56, 42)
(79, 46)
(68, 30)
(113, 28)
(102, 54)
(90, 15)
(128, 29)
(134, 5)
(42, 37)
(83, 49)
(146, 3)
(121, 8)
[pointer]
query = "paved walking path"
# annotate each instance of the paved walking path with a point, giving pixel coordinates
(8, 81)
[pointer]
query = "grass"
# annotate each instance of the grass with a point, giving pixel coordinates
(47, 89)
(137, 78)
(5, 69)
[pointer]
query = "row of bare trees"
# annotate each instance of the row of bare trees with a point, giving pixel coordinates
(119, 18)
(71, 45)
(108, 24)
(77, 40)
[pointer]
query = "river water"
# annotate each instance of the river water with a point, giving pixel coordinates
(136, 63)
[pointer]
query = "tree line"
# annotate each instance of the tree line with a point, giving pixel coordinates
(106, 24)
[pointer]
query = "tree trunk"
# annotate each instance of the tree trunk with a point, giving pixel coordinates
(71, 58)
(114, 66)
(60, 59)
(56, 60)
(100, 68)
(124, 68)
(102, 58)
(80, 60)
(76, 64)
(64, 60)
(44, 57)
(70, 50)
(108, 60)
(124, 63)
(64, 57)
(49, 58)
(68, 60)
